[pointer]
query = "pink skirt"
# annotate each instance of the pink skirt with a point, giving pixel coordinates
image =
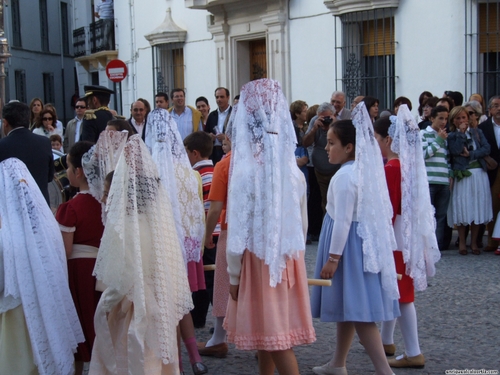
(221, 278)
(196, 275)
(266, 318)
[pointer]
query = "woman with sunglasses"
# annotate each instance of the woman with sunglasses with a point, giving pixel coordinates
(47, 127)
(470, 202)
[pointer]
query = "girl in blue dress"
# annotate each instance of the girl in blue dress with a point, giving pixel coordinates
(355, 245)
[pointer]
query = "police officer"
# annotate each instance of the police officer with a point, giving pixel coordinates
(97, 117)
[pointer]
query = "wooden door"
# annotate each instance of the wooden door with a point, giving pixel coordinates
(258, 59)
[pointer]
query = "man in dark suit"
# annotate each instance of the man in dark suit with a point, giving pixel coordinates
(491, 130)
(33, 150)
(217, 122)
(97, 117)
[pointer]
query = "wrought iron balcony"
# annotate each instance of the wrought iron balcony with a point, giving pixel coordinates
(98, 36)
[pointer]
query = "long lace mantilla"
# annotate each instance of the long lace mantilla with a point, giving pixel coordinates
(420, 251)
(263, 209)
(140, 256)
(179, 179)
(35, 270)
(374, 207)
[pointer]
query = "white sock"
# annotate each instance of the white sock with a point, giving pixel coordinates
(387, 332)
(408, 326)
(219, 335)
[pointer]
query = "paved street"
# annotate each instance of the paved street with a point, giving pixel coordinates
(458, 316)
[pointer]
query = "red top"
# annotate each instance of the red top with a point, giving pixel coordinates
(218, 191)
(393, 177)
(83, 213)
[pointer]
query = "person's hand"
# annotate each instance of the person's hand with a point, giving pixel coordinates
(233, 291)
(50, 128)
(318, 123)
(328, 270)
(212, 136)
(209, 243)
(220, 136)
(465, 152)
(451, 183)
(443, 133)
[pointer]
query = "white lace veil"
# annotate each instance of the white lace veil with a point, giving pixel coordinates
(35, 270)
(420, 251)
(179, 179)
(101, 159)
(140, 256)
(374, 208)
(263, 209)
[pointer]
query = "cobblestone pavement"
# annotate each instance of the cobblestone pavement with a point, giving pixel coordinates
(458, 317)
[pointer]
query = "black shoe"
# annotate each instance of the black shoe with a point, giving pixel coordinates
(199, 368)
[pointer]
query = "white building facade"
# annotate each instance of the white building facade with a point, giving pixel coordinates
(383, 48)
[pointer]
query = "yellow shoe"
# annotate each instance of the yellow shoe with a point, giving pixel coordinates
(389, 350)
(403, 361)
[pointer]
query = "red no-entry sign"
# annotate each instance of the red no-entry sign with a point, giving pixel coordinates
(116, 70)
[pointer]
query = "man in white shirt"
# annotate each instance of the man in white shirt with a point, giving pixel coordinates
(74, 126)
(138, 116)
(338, 102)
(105, 11)
(217, 121)
(188, 118)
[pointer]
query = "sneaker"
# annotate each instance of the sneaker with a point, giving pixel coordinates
(326, 369)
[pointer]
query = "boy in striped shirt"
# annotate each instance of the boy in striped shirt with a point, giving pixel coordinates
(199, 148)
(437, 164)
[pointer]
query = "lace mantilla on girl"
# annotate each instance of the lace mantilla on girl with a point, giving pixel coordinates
(102, 159)
(35, 270)
(374, 207)
(140, 256)
(263, 209)
(420, 251)
(180, 181)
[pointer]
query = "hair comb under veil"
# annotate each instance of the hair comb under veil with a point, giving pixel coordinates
(374, 208)
(179, 179)
(420, 248)
(102, 159)
(263, 209)
(140, 256)
(35, 270)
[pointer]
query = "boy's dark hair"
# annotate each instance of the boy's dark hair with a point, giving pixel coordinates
(17, 114)
(201, 142)
(438, 109)
(202, 99)
(381, 126)
(76, 152)
(55, 138)
(162, 94)
(345, 132)
(402, 100)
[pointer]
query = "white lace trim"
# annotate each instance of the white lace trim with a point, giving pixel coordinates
(179, 180)
(35, 270)
(374, 206)
(420, 248)
(140, 255)
(263, 209)
(100, 160)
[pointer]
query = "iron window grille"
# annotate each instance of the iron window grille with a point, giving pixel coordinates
(168, 67)
(367, 49)
(16, 24)
(20, 81)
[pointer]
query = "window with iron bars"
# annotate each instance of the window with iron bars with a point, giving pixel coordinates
(168, 67)
(48, 87)
(16, 24)
(367, 47)
(482, 45)
(44, 26)
(20, 81)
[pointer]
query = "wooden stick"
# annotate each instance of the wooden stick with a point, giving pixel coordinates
(319, 282)
(209, 267)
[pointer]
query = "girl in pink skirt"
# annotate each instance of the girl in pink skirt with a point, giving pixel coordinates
(269, 310)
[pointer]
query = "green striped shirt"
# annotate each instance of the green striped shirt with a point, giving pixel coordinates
(437, 162)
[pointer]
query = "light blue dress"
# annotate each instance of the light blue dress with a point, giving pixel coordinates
(355, 295)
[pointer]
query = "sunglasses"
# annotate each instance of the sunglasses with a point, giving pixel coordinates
(47, 119)
(471, 113)
(80, 107)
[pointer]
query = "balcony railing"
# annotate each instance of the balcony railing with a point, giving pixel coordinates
(98, 36)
